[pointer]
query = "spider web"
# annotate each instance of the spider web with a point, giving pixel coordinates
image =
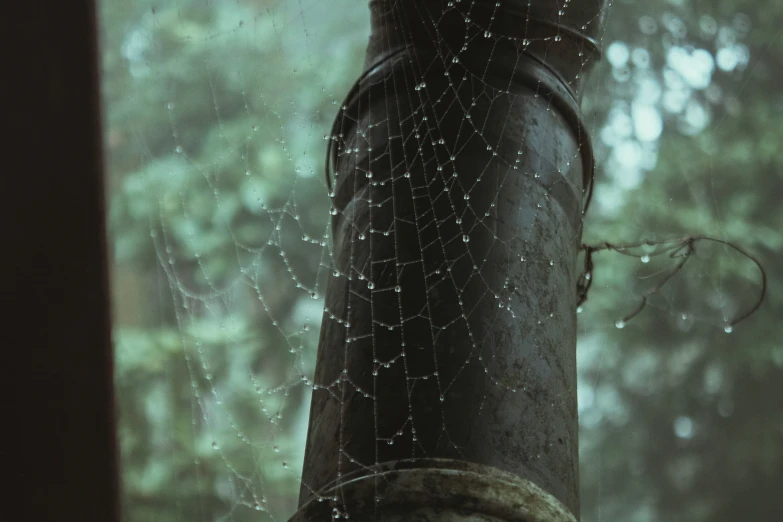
(229, 238)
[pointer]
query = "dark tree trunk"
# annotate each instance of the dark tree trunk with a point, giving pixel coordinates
(446, 367)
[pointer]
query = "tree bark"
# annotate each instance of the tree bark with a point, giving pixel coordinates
(447, 352)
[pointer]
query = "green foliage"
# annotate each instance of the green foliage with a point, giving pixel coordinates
(663, 366)
(208, 146)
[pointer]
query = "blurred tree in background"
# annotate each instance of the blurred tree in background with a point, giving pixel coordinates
(681, 421)
(215, 117)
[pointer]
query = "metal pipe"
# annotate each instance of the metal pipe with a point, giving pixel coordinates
(461, 172)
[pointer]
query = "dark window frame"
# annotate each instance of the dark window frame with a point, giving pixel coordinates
(56, 338)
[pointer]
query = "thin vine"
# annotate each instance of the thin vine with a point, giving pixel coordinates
(679, 249)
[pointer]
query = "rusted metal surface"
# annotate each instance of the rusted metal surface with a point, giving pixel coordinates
(428, 272)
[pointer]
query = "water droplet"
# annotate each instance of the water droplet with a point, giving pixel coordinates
(398, 289)
(551, 263)
(215, 445)
(178, 149)
(370, 285)
(276, 449)
(170, 105)
(645, 258)
(579, 309)
(465, 239)
(620, 324)
(728, 328)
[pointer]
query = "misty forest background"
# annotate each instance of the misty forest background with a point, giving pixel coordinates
(215, 117)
